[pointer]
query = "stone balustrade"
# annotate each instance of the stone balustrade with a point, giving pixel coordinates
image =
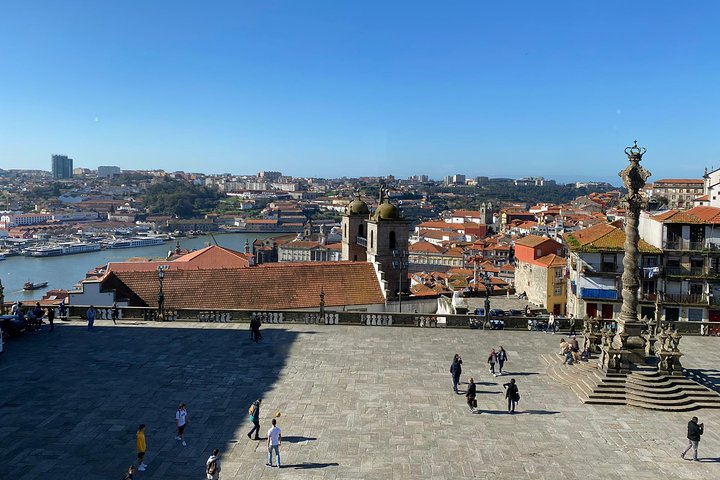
(369, 319)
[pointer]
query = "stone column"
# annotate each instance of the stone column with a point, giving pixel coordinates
(629, 327)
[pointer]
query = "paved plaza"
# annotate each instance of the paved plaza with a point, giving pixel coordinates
(356, 402)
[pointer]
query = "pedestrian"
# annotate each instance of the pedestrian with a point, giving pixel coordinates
(492, 358)
(62, 311)
(572, 325)
(252, 328)
(141, 447)
(254, 412)
(256, 330)
(551, 324)
(273, 443)
(456, 370)
(39, 313)
(90, 317)
(512, 394)
(695, 429)
(51, 318)
(114, 313)
(16, 307)
(130, 473)
(212, 466)
(471, 395)
(181, 420)
(502, 357)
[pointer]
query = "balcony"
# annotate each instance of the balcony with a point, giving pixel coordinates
(598, 294)
(362, 241)
(685, 298)
(690, 245)
(685, 271)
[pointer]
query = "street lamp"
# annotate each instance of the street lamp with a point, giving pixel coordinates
(161, 296)
(488, 287)
(400, 263)
(2, 299)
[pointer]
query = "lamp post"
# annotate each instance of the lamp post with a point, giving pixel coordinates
(400, 263)
(488, 287)
(322, 304)
(2, 299)
(161, 296)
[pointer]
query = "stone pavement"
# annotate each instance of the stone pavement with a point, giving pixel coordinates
(356, 402)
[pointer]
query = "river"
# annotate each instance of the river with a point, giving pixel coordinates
(65, 271)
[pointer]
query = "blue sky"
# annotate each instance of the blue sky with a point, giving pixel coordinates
(332, 88)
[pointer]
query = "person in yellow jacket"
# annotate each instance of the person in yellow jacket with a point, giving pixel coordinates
(141, 446)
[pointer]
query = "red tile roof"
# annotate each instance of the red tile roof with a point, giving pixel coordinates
(271, 286)
(206, 258)
(680, 180)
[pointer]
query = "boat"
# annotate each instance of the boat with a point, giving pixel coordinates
(2, 256)
(34, 285)
(134, 242)
(67, 248)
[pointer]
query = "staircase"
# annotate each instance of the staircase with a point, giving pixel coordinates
(644, 387)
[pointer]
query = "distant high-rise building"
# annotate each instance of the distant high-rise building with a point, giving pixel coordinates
(269, 176)
(107, 171)
(456, 179)
(62, 166)
(418, 178)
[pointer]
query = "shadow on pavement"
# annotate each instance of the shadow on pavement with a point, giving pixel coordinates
(297, 439)
(305, 465)
(72, 399)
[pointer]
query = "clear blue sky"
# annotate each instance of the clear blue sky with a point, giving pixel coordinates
(332, 88)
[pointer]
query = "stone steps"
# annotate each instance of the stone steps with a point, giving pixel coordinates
(644, 388)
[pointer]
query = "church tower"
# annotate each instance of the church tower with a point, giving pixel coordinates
(387, 246)
(354, 231)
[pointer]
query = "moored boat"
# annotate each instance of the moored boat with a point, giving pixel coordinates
(34, 285)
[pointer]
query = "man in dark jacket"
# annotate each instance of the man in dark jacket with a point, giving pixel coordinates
(470, 395)
(456, 370)
(695, 429)
(255, 419)
(512, 394)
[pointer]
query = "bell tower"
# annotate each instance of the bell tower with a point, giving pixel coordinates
(387, 245)
(354, 231)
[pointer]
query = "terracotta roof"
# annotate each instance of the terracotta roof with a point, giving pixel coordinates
(602, 237)
(271, 286)
(552, 260)
(466, 213)
(680, 180)
(206, 258)
(425, 247)
(262, 222)
(420, 290)
(532, 241)
(706, 213)
(684, 216)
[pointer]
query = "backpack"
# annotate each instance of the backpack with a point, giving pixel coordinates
(251, 410)
(212, 467)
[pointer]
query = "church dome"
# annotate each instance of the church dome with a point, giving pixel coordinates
(387, 211)
(358, 207)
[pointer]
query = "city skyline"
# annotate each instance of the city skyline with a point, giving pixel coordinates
(362, 90)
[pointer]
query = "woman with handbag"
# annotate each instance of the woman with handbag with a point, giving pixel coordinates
(470, 395)
(512, 394)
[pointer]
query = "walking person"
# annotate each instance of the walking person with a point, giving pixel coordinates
(51, 317)
(38, 313)
(252, 328)
(62, 311)
(141, 447)
(254, 412)
(695, 429)
(471, 395)
(212, 466)
(572, 325)
(114, 313)
(256, 330)
(551, 324)
(90, 317)
(456, 370)
(492, 359)
(273, 443)
(512, 394)
(502, 357)
(181, 420)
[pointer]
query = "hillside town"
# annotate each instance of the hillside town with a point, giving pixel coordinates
(424, 239)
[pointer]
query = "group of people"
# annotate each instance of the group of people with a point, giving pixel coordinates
(274, 435)
(571, 351)
(512, 393)
(34, 315)
(212, 465)
(255, 334)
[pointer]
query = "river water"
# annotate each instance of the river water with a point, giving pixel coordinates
(65, 271)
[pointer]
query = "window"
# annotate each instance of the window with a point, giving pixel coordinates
(649, 261)
(361, 231)
(392, 241)
(372, 239)
(558, 290)
(609, 262)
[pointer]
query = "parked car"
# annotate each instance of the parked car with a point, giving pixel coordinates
(480, 312)
(12, 325)
(496, 312)
(515, 313)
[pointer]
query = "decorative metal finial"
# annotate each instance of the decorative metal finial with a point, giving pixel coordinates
(634, 152)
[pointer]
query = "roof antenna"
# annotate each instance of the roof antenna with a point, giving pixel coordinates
(213, 237)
